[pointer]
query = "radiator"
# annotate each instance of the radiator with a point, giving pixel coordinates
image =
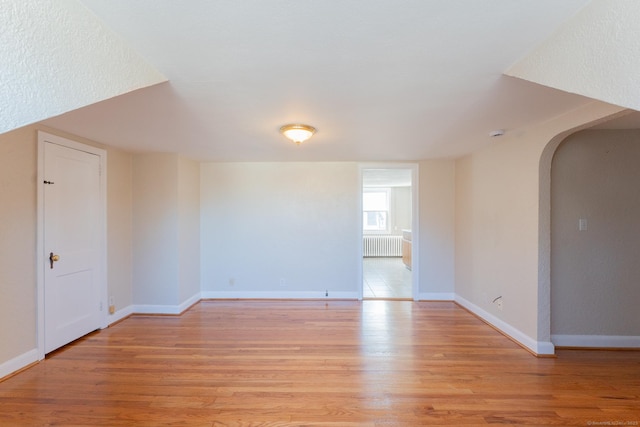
(382, 246)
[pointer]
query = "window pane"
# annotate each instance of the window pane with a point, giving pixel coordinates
(374, 220)
(375, 201)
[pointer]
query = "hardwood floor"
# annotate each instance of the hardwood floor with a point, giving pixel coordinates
(308, 363)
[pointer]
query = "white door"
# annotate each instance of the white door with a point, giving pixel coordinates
(71, 226)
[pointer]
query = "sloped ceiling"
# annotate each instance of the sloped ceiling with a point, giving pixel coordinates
(56, 57)
(596, 54)
(381, 80)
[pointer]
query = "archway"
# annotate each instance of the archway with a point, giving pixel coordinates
(544, 225)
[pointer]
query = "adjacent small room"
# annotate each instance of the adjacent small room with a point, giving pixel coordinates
(386, 233)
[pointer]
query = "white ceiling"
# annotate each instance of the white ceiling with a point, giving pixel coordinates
(381, 80)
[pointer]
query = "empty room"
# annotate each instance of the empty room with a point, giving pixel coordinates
(319, 213)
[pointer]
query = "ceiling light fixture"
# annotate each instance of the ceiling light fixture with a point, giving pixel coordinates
(298, 133)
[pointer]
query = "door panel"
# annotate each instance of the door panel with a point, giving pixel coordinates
(71, 231)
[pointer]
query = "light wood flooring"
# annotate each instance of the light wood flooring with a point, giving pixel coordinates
(317, 363)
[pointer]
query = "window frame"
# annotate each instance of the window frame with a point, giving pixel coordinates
(387, 212)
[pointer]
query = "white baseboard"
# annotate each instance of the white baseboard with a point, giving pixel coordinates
(278, 295)
(596, 341)
(18, 362)
(166, 309)
(537, 347)
(120, 314)
(155, 309)
(177, 309)
(442, 296)
(190, 301)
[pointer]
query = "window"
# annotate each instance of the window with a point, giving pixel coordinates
(375, 209)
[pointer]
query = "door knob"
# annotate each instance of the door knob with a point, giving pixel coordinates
(53, 258)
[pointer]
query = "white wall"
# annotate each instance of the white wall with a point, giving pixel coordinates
(437, 228)
(502, 227)
(595, 274)
(18, 156)
(497, 231)
(263, 222)
(280, 229)
(119, 228)
(155, 229)
(189, 228)
(166, 233)
(400, 205)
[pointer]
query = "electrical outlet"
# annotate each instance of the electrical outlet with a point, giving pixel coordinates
(112, 305)
(499, 302)
(232, 281)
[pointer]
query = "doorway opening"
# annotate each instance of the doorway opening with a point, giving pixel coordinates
(387, 229)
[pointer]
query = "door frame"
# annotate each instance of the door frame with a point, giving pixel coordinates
(415, 225)
(101, 273)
